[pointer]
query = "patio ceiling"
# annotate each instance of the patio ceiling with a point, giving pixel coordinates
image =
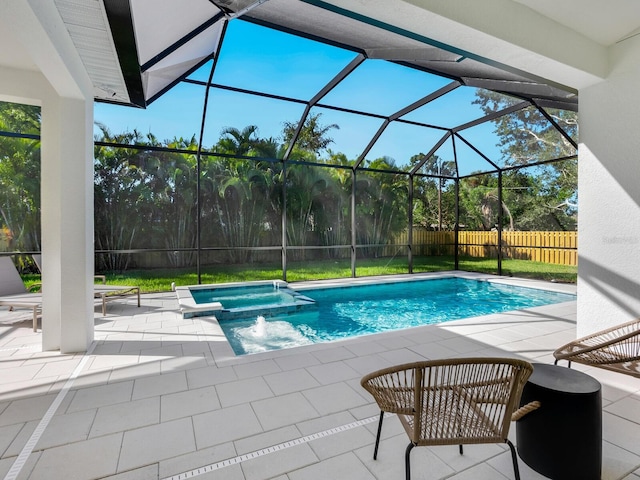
(136, 50)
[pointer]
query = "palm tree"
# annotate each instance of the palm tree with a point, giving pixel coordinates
(308, 191)
(118, 187)
(237, 205)
(19, 179)
(381, 205)
(238, 142)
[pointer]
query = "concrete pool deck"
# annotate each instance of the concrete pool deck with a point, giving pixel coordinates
(160, 397)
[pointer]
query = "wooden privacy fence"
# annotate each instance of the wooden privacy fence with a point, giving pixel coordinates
(559, 248)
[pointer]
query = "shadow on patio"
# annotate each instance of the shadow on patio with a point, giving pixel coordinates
(161, 396)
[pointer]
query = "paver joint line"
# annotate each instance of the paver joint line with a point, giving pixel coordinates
(268, 450)
(19, 348)
(19, 462)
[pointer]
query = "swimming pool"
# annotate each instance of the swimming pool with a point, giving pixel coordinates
(348, 311)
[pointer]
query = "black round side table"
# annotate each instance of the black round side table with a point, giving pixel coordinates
(562, 439)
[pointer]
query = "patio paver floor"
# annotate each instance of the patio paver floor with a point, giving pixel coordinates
(161, 395)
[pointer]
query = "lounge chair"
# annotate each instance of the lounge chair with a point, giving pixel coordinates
(451, 402)
(110, 292)
(103, 291)
(14, 294)
(616, 348)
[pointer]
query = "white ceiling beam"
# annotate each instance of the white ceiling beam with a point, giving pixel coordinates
(38, 30)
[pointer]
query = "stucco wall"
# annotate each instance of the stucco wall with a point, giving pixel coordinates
(609, 194)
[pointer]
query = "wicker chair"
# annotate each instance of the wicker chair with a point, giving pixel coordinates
(451, 402)
(616, 348)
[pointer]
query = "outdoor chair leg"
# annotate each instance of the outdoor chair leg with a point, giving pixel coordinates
(375, 450)
(407, 464)
(568, 363)
(514, 458)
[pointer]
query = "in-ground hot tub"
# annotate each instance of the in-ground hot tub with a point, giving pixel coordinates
(228, 301)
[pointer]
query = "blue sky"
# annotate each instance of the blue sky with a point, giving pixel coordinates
(295, 67)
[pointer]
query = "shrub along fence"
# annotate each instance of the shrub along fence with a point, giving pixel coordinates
(558, 248)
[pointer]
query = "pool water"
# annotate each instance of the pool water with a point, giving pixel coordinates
(243, 297)
(242, 301)
(351, 311)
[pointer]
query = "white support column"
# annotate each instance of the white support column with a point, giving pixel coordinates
(52, 75)
(609, 194)
(67, 223)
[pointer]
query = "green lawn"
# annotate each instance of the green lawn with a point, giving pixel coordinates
(159, 280)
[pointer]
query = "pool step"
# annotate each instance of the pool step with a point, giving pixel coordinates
(302, 304)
